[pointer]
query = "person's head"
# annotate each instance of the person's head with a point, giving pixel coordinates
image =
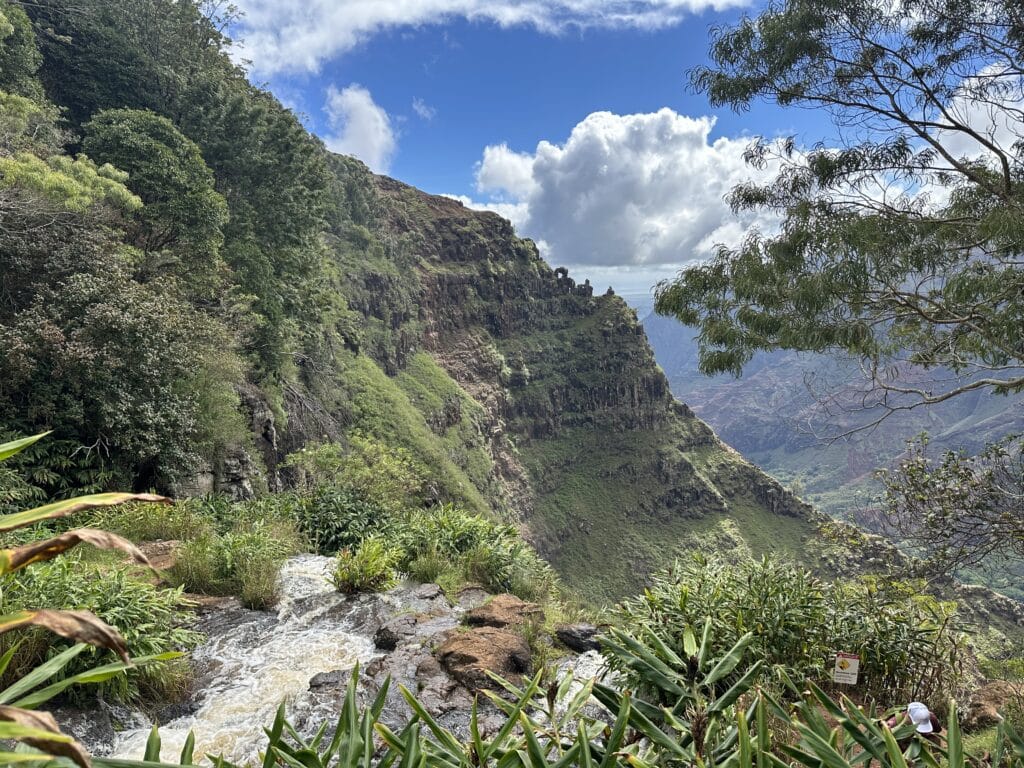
(920, 716)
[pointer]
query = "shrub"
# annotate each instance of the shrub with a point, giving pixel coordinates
(151, 620)
(152, 522)
(909, 644)
(334, 518)
(428, 567)
(244, 561)
(489, 553)
(369, 568)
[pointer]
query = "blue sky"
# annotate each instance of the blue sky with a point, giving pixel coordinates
(572, 117)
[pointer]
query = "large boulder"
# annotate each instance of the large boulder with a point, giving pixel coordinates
(505, 611)
(469, 656)
(987, 701)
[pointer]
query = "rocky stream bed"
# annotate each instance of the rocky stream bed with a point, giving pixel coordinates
(304, 651)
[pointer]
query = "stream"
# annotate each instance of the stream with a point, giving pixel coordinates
(246, 671)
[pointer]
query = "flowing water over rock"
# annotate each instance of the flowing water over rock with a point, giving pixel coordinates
(303, 653)
(247, 670)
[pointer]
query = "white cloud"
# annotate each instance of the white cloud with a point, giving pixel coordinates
(644, 191)
(299, 35)
(360, 127)
(504, 172)
(992, 106)
(424, 110)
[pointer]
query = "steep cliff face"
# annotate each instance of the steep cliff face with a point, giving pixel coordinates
(530, 395)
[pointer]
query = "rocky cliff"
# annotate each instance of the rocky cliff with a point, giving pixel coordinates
(527, 394)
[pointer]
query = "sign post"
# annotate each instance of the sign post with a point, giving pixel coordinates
(847, 666)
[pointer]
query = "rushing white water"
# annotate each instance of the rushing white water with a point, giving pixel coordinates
(252, 667)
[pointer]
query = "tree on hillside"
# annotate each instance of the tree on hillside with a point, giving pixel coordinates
(180, 227)
(900, 240)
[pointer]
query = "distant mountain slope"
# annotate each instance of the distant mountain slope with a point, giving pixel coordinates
(766, 415)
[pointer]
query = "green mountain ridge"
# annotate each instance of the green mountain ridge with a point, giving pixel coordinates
(526, 394)
(231, 292)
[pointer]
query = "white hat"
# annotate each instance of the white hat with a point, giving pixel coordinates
(920, 716)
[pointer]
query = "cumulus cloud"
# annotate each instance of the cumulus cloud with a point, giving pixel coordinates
(296, 36)
(643, 192)
(359, 127)
(423, 110)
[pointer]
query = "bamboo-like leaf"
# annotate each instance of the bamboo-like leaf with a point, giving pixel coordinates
(70, 506)
(152, 753)
(705, 645)
(16, 446)
(90, 677)
(49, 738)
(618, 734)
(445, 738)
(39, 675)
(80, 626)
(274, 736)
(954, 740)
(730, 660)
(892, 748)
(14, 559)
(533, 747)
(746, 756)
(737, 689)
(188, 749)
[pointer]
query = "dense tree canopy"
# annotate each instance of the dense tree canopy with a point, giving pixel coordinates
(901, 238)
(180, 226)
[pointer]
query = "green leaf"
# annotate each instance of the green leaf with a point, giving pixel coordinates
(729, 661)
(40, 674)
(16, 446)
(188, 749)
(71, 506)
(954, 740)
(152, 753)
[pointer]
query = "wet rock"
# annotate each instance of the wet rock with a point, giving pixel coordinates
(334, 677)
(987, 701)
(394, 631)
(96, 724)
(578, 637)
(505, 611)
(469, 656)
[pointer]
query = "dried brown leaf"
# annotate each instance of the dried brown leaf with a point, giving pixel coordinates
(14, 559)
(43, 721)
(80, 626)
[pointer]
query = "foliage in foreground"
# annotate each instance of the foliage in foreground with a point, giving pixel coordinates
(909, 644)
(555, 728)
(151, 620)
(18, 721)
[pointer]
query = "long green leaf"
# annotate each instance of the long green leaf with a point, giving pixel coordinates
(729, 661)
(70, 506)
(737, 689)
(90, 677)
(152, 753)
(40, 674)
(954, 740)
(16, 446)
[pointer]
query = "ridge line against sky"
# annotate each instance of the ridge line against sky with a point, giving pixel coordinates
(569, 117)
